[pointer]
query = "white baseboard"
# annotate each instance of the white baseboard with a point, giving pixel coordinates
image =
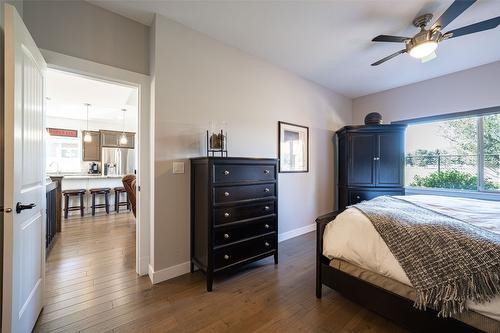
(296, 232)
(177, 270)
(168, 273)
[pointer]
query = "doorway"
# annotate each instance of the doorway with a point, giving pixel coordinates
(91, 145)
(24, 168)
(107, 74)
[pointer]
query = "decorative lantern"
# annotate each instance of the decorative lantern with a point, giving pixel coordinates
(217, 139)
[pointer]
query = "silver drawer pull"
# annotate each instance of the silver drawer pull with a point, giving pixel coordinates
(266, 172)
(226, 214)
(266, 190)
(266, 207)
(226, 194)
(226, 172)
(226, 236)
(376, 158)
(358, 197)
(226, 257)
(266, 244)
(266, 226)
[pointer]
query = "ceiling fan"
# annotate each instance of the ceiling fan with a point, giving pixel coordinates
(425, 42)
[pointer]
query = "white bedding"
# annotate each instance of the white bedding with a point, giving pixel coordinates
(353, 238)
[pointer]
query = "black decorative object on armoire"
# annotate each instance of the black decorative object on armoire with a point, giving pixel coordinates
(370, 162)
(234, 212)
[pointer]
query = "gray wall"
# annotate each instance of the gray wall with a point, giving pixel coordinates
(19, 6)
(466, 90)
(80, 29)
(197, 79)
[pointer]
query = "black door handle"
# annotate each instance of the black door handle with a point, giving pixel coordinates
(20, 207)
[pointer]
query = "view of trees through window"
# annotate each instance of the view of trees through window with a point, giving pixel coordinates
(461, 154)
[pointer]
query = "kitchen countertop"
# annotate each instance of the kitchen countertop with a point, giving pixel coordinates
(83, 176)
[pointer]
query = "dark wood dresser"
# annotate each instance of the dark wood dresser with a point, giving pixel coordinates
(370, 162)
(234, 212)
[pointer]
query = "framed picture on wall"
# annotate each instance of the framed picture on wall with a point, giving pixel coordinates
(293, 147)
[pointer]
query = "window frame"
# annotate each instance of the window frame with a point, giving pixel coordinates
(480, 193)
(78, 141)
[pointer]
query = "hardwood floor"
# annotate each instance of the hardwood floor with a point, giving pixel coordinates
(92, 287)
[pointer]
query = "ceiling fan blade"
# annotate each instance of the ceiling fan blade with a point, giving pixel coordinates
(456, 8)
(389, 57)
(391, 39)
(476, 27)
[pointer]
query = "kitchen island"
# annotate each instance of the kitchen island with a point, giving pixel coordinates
(87, 181)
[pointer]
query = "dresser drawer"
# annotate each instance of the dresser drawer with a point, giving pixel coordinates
(226, 173)
(358, 196)
(245, 250)
(242, 212)
(234, 233)
(243, 192)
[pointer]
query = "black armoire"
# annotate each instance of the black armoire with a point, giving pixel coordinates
(370, 162)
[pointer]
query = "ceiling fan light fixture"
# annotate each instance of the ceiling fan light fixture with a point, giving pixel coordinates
(423, 50)
(425, 42)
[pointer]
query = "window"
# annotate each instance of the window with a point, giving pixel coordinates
(458, 154)
(63, 154)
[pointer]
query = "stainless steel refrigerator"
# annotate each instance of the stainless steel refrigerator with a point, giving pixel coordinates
(118, 161)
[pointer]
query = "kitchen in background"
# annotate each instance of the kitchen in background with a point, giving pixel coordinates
(91, 137)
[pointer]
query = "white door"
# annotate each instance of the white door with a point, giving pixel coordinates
(24, 170)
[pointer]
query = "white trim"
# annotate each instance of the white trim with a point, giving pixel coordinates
(143, 265)
(143, 83)
(480, 155)
(296, 232)
(151, 273)
(183, 268)
(482, 195)
(169, 272)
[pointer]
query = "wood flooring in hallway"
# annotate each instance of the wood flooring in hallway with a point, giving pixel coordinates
(91, 286)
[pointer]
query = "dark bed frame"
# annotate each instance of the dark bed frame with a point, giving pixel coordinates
(381, 301)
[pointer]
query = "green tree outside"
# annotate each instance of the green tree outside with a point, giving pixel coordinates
(463, 134)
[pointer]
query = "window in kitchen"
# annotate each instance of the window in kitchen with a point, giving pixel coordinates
(63, 154)
(457, 154)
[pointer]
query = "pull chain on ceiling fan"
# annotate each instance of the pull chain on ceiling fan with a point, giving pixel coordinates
(426, 41)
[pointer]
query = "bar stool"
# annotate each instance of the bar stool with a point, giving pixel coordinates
(97, 191)
(73, 193)
(118, 203)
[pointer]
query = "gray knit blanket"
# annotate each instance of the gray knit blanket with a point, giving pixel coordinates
(448, 261)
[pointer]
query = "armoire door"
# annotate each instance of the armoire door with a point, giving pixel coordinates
(361, 159)
(390, 159)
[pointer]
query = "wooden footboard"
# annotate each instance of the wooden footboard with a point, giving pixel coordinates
(383, 302)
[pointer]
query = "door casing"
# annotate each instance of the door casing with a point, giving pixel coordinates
(145, 202)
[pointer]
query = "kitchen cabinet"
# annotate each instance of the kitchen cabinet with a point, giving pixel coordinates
(112, 139)
(92, 149)
(130, 140)
(52, 194)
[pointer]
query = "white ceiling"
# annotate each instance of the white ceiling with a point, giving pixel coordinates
(329, 42)
(67, 94)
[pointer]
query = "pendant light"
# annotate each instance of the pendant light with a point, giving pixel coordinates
(123, 137)
(87, 137)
